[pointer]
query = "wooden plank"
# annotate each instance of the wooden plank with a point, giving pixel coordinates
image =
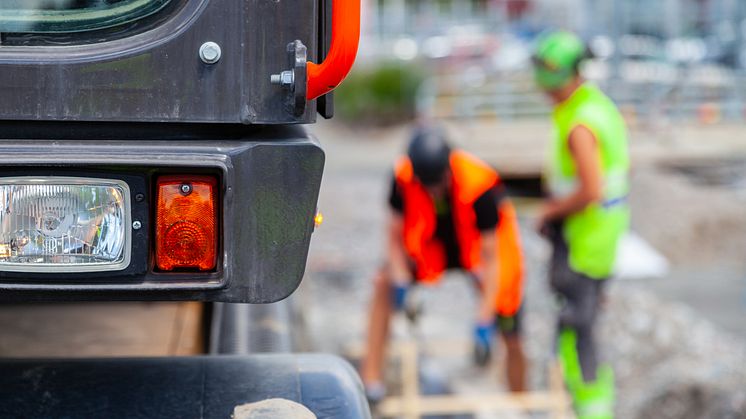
(411, 405)
(187, 330)
(99, 329)
(557, 386)
(410, 379)
(462, 403)
(434, 347)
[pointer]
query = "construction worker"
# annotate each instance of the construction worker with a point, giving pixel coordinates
(449, 211)
(585, 215)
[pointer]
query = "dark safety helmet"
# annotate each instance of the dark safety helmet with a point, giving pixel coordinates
(430, 155)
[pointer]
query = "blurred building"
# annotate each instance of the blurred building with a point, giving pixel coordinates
(672, 57)
(420, 17)
(660, 18)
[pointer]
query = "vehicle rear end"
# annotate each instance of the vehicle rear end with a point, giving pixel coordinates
(153, 150)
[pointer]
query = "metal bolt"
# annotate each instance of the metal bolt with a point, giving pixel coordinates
(210, 52)
(139, 197)
(136, 225)
(185, 188)
(286, 78)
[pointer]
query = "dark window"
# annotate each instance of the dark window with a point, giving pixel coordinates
(66, 16)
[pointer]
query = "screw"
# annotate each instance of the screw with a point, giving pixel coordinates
(139, 197)
(210, 52)
(286, 78)
(185, 188)
(136, 225)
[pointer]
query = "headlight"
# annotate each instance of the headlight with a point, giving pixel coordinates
(64, 224)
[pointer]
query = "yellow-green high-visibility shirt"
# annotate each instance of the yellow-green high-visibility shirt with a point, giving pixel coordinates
(593, 234)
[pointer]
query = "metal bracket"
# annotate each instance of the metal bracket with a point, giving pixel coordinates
(294, 80)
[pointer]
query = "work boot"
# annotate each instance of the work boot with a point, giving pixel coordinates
(375, 392)
(595, 400)
(592, 400)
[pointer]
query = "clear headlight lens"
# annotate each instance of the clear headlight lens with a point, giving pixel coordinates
(64, 224)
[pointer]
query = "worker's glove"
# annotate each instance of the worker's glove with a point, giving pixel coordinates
(399, 295)
(406, 299)
(483, 343)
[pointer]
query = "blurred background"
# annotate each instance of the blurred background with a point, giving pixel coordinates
(673, 325)
(668, 59)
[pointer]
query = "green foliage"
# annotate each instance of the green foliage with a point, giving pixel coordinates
(384, 94)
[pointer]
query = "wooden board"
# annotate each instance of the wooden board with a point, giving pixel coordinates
(410, 404)
(100, 329)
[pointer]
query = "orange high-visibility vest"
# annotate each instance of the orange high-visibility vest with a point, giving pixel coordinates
(471, 178)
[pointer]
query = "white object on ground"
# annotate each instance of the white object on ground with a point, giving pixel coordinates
(271, 409)
(637, 259)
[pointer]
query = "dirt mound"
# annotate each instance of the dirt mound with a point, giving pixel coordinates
(687, 221)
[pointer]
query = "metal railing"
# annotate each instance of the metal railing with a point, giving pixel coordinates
(690, 95)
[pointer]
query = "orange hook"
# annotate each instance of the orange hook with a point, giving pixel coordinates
(325, 77)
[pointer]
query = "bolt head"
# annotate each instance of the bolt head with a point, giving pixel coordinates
(185, 189)
(287, 78)
(209, 52)
(136, 225)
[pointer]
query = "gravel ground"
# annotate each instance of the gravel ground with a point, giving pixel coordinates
(671, 360)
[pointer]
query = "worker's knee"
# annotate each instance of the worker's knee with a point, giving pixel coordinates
(578, 315)
(580, 300)
(382, 280)
(387, 293)
(513, 343)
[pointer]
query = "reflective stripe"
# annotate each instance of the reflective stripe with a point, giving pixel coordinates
(596, 410)
(562, 187)
(615, 185)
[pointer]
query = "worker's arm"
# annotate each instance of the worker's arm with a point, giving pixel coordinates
(584, 149)
(484, 329)
(488, 250)
(398, 270)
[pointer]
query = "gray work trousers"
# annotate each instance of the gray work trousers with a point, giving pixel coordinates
(580, 296)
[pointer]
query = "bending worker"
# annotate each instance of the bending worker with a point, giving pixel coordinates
(585, 215)
(448, 211)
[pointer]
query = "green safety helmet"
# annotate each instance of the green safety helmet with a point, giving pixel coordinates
(556, 59)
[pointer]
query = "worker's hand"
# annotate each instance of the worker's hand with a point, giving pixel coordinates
(483, 343)
(542, 221)
(545, 219)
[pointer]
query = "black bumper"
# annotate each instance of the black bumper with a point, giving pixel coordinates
(200, 387)
(270, 179)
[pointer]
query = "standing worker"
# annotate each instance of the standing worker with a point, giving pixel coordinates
(448, 211)
(586, 213)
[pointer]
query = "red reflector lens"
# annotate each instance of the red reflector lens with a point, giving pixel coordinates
(186, 234)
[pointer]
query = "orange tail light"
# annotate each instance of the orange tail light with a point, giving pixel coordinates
(186, 235)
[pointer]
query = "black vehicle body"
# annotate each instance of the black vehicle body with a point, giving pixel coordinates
(153, 73)
(136, 102)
